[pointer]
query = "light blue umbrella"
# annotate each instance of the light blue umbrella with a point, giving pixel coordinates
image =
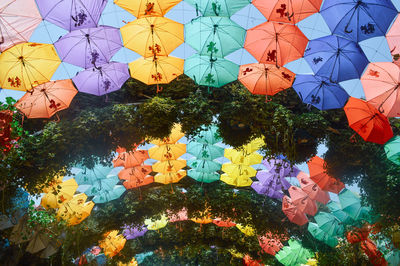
(221, 8)
(337, 211)
(322, 236)
(203, 177)
(101, 185)
(90, 176)
(204, 166)
(328, 223)
(109, 195)
(209, 135)
(204, 151)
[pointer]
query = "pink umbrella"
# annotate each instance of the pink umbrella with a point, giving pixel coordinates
(312, 189)
(177, 217)
(292, 212)
(302, 201)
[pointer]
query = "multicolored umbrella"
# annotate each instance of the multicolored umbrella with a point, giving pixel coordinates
(112, 243)
(18, 20)
(27, 65)
(322, 236)
(318, 174)
(302, 201)
(144, 8)
(358, 20)
(392, 149)
(292, 212)
(134, 232)
(73, 14)
(329, 224)
(312, 189)
(219, 8)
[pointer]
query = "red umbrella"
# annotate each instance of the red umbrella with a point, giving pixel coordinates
(270, 244)
(367, 121)
(312, 189)
(374, 255)
(219, 222)
(292, 212)
(275, 43)
(131, 159)
(302, 201)
(249, 261)
(136, 176)
(321, 178)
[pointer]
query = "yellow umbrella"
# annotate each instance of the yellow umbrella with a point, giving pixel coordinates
(238, 170)
(59, 193)
(157, 224)
(247, 230)
(76, 209)
(241, 157)
(156, 70)
(53, 183)
(170, 177)
(176, 134)
(205, 217)
(27, 65)
(144, 8)
(132, 262)
(236, 181)
(171, 166)
(152, 36)
(167, 152)
(236, 253)
(253, 146)
(113, 243)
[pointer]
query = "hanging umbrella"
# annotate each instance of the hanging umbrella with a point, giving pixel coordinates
(328, 223)
(177, 217)
(212, 72)
(90, 176)
(237, 181)
(131, 159)
(336, 58)
(268, 189)
(101, 185)
(146, 8)
(265, 79)
(217, 36)
(281, 167)
(203, 177)
(18, 20)
(243, 157)
(156, 70)
(134, 232)
(316, 165)
(39, 241)
(381, 82)
(312, 189)
(175, 135)
(75, 210)
(167, 152)
(72, 14)
(204, 166)
(287, 11)
(59, 193)
(392, 149)
(27, 65)
(223, 223)
(156, 224)
(168, 178)
(253, 145)
(204, 151)
(113, 243)
(275, 43)
(320, 92)
(204, 217)
(270, 244)
(272, 177)
(393, 38)
(136, 176)
(109, 195)
(294, 254)
(302, 201)
(45, 100)
(209, 135)
(152, 36)
(222, 8)
(317, 233)
(171, 166)
(351, 205)
(292, 212)
(247, 230)
(358, 20)
(367, 121)
(337, 211)
(237, 175)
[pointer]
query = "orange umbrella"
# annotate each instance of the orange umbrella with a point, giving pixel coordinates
(292, 212)
(265, 79)
(381, 82)
(289, 11)
(131, 159)
(367, 121)
(321, 178)
(136, 176)
(223, 223)
(302, 201)
(45, 100)
(270, 244)
(312, 189)
(275, 43)
(393, 39)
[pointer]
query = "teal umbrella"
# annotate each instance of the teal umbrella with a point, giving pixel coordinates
(319, 234)
(294, 254)
(100, 185)
(203, 177)
(109, 195)
(221, 8)
(215, 36)
(328, 223)
(390, 253)
(337, 211)
(90, 176)
(212, 72)
(209, 135)
(204, 151)
(204, 166)
(392, 149)
(351, 204)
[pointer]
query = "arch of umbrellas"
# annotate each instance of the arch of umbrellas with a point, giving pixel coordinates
(29, 66)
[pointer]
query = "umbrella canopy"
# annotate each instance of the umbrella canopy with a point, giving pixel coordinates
(152, 36)
(109, 195)
(169, 178)
(39, 241)
(351, 205)
(156, 70)
(320, 92)
(269, 189)
(209, 135)
(131, 159)
(136, 176)
(156, 224)
(59, 193)
(177, 217)
(294, 254)
(337, 211)
(237, 181)
(302, 201)
(237, 175)
(336, 58)
(217, 36)
(73, 14)
(18, 20)
(222, 8)
(204, 217)
(45, 100)
(381, 82)
(75, 210)
(392, 149)
(90, 176)
(134, 232)
(243, 157)
(292, 212)
(212, 72)
(318, 174)
(312, 189)
(270, 244)
(247, 229)
(358, 20)
(175, 135)
(170, 166)
(103, 79)
(287, 11)
(367, 121)
(205, 151)
(393, 38)
(275, 43)
(328, 223)
(167, 152)
(112, 243)
(204, 166)
(145, 8)
(101, 185)
(203, 177)
(90, 47)
(319, 234)
(223, 223)
(281, 168)
(265, 79)
(27, 65)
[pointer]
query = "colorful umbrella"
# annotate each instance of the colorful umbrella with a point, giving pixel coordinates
(131, 159)
(393, 38)
(281, 168)
(47, 99)
(112, 243)
(320, 92)
(270, 244)
(287, 11)
(243, 157)
(152, 36)
(156, 224)
(204, 151)
(292, 212)
(336, 58)
(134, 232)
(358, 20)
(109, 195)
(90, 176)
(168, 178)
(175, 135)
(319, 234)
(75, 210)
(204, 166)
(247, 229)
(204, 217)
(59, 193)
(102, 185)
(18, 20)
(222, 8)
(136, 176)
(27, 65)
(167, 152)
(269, 189)
(392, 149)
(367, 121)
(265, 79)
(237, 175)
(217, 36)
(270, 184)
(88, 48)
(177, 217)
(337, 211)
(329, 224)
(318, 174)
(381, 82)
(145, 8)
(351, 205)
(72, 14)
(312, 189)
(209, 135)
(223, 223)
(302, 201)
(275, 43)
(294, 254)
(170, 166)
(203, 177)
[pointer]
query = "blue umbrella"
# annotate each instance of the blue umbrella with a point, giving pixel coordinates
(358, 20)
(320, 92)
(336, 58)
(90, 176)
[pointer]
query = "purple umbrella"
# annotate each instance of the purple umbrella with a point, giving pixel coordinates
(134, 232)
(103, 79)
(72, 14)
(270, 191)
(273, 178)
(281, 167)
(89, 47)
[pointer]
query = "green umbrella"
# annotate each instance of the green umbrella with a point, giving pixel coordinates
(392, 149)
(218, 36)
(204, 151)
(319, 234)
(294, 254)
(351, 204)
(390, 253)
(109, 195)
(336, 210)
(204, 166)
(209, 135)
(222, 8)
(328, 223)
(203, 177)
(101, 185)
(212, 72)
(90, 176)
